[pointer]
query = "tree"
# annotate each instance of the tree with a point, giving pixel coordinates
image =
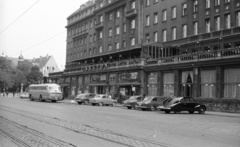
(25, 67)
(35, 76)
(6, 73)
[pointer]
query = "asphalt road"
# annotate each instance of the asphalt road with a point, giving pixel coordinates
(33, 123)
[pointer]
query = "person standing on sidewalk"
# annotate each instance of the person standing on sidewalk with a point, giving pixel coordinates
(13, 93)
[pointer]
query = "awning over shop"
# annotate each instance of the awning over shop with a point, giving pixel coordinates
(129, 83)
(98, 84)
(64, 84)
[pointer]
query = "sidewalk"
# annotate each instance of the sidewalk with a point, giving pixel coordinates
(206, 113)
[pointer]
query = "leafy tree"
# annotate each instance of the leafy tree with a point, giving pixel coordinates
(6, 73)
(25, 67)
(35, 76)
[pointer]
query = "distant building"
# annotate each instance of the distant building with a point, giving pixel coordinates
(46, 65)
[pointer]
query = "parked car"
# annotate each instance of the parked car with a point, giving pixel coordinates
(24, 95)
(84, 98)
(179, 104)
(151, 102)
(132, 101)
(102, 99)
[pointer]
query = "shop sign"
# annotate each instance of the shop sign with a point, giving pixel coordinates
(103, 78)
(128, 77)
(112, 78)
(95, 78)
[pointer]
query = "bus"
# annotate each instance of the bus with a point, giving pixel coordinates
(44, 92)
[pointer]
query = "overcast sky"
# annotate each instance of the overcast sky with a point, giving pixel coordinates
(39, 31)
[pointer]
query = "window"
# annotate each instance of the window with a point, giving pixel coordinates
(109, 1)
(217, 2)
(238, 18)
(184, 9)
(174, 33)
(90, 38)
(110, 16)
(164, 35)
(195, 5)
(195, 28)
(132, 41)
(124, 27)
(124, 43)
(117, 45)
(168, 84)
(232, 83)
(118, 13)
(101, 18)
(110, 32)
(227, 21)
(227, 1)
(110, 47)
(147, 38)
(155, 34)
(91, 24)
(155, 1)
(133, 5)
(147, 20)
(100, 34)
(147, 2)
(101, 4)
(94, 37)
(208, 83)
(184, 30)
(155, 18)
(174, 12)
(133, 24)
(100, 49)
(217, 23)
(207, 4)
(117, 30)
(164, 13)
(207, 25)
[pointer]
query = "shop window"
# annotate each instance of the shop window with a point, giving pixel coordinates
(168, 84)
(186, 83)
(208, 84)
(232, 83)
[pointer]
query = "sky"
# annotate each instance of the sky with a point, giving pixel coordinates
(35, 28)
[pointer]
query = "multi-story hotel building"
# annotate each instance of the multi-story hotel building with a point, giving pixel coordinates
(154, 47)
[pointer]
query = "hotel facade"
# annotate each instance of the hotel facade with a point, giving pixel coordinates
(153, 47)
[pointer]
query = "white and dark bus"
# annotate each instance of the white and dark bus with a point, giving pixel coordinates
(44, 92)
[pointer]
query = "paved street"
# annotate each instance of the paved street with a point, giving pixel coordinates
(66, 124)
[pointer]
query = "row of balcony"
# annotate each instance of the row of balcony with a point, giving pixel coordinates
(216, 34)
(195, 57)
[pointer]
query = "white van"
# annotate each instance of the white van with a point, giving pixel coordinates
(44, 92)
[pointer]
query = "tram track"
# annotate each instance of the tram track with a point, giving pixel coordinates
(87, 130)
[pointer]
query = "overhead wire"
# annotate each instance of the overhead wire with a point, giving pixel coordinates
(19, 17)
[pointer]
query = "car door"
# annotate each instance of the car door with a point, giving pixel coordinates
(104, 99)
(192, 104)
(154, 102)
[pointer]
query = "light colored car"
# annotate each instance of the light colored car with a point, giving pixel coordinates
(84, 98)
(102, 99)
(24, 95)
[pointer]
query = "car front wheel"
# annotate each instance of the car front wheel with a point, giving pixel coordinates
(191, 112)
(201, 110)
(79, 103)
(166, 111)
(129, 107)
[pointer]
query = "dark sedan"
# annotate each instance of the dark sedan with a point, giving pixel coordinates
(179, 104)
(84, 98)
(132, 101)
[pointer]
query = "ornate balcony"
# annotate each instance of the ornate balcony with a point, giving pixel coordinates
(99, 25)
(131, 13)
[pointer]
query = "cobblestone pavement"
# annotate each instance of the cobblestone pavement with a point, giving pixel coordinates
(13, 134)
(84, 129)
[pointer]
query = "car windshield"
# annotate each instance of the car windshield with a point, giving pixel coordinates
(133, 98)
(98, 96)
(147, 98)
(174, 101)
